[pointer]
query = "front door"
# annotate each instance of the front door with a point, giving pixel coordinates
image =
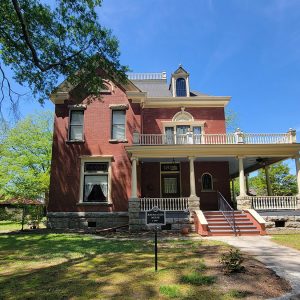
(170, 185)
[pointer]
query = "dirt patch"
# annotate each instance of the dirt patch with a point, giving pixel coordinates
(255, 282)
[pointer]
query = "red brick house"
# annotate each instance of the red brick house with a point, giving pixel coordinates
(155, 142)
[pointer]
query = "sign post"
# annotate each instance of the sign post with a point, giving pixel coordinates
(155, 217)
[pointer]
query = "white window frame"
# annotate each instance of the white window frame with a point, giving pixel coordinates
(75, 108)
(118, 107)
(96, 159)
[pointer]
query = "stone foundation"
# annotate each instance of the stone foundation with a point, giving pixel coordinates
(289, 221)
(243, 202)
(86, 221)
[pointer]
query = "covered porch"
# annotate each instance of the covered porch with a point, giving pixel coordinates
(188, 163)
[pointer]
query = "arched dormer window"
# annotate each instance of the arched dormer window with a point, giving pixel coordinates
(180, 87)
(207, 182)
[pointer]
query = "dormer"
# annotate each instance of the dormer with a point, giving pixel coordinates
(180, 86)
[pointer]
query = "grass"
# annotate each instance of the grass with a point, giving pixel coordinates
(63, 266)
(76, 266)
(290, 240)
(198, 278)
(171, 291)
(14, 226)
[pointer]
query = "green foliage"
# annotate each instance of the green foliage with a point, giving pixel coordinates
(236, 294)
(232, 261)
(43, 43)
(198, 278)
(171, 291)
(282, 182)
(231, 120)
(25, 158)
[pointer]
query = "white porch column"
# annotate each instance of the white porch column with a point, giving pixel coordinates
(247, 183)
(133, 178)
(297, 162)
(232, 191)
(192, 177)
(268, 182)
(242, 177)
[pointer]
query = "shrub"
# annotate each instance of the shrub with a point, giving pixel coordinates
(232, 261)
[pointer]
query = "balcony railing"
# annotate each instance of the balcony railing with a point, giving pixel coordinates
(274, 202)
(229, 138)
(167, 204)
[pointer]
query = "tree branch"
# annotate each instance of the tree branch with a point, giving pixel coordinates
(34, 54)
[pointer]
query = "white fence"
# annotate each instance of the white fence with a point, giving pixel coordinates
(230, 138)
(168, 204)
(274, 202)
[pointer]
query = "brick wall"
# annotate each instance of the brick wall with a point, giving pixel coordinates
(65, 167)
(214, 118)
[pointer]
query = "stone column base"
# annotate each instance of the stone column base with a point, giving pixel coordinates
(194, 203)
(134, 209)
(298, 201)
(243, 202)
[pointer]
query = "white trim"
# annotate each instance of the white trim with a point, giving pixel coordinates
(75, 108)
(185, 113)
(96, 158)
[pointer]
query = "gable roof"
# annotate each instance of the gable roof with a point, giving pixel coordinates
(181, 70)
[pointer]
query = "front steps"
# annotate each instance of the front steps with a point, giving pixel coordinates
(217, 224)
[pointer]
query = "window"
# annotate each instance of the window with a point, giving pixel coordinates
(95, 182)
(118, 124)
(76, 125)
(180, 87)
(207, 184)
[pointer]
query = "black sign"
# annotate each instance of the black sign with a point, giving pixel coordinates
(170, 167)
(155, 217)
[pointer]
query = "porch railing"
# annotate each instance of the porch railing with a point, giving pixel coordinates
(167, 204)
(274, 202)
(227, 211)
(229, 138)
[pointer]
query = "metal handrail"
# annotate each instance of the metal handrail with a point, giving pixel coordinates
(224, 206)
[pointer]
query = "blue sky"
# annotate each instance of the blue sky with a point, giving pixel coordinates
(249, 50)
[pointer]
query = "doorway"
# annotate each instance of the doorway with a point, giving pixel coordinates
(170, 185)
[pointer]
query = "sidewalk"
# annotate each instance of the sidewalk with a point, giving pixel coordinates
(283, 260)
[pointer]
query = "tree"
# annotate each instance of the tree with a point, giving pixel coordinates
(43, 44)
(25, 158)
(282, 182)
(231, 119)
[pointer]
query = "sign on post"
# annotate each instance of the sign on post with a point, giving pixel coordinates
(155, 216)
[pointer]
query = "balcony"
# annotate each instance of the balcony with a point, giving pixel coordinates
(237, 137)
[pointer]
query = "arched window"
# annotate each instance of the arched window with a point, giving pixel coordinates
(180, 87)
(207, 183)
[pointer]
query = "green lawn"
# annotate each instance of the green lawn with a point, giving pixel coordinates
(74, 266)
(10, 226)
(290, 240)
(14, 226)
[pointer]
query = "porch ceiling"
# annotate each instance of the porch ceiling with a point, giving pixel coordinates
(255, 155)
(251, 164)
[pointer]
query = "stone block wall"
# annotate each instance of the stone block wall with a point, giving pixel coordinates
(79, 221)
(290, 221)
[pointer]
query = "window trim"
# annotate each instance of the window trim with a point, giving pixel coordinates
(94, 159)
(176, 87)
(212, 183)
(75, 108)
(112, 139)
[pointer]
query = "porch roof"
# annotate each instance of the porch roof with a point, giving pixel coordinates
(255, 156)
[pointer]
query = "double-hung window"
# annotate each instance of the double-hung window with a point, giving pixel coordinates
(95, 182)
(118, 124)
(76, 125)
